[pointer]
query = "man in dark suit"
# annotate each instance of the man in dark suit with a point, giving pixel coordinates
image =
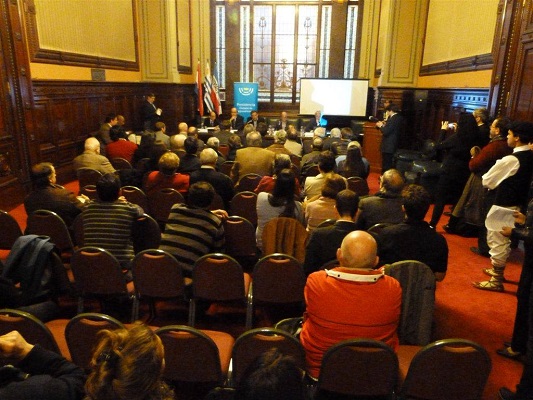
(316, 122)
(283, 122)
(391, 130)
(255, 119)
(324, 242)
(220, 182)
(150, 114)
(236, 120)
(212, 121)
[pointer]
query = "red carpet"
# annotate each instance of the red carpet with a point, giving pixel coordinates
(461, 311)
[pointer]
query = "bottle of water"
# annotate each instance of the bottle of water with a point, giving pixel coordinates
(302, 131)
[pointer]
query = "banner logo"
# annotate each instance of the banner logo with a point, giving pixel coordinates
(246, 91)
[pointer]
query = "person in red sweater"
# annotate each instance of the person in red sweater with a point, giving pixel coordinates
(167, 177)
(120, 147)
(349, 301)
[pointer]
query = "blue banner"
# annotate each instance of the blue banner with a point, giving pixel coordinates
(245, 98)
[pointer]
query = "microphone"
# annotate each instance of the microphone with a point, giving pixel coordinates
(373, 119)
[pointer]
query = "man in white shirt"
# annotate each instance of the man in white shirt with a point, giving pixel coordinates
(508, 182)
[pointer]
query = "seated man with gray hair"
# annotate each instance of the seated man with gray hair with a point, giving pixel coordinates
(280, 137)
(214, 143)
(91, 158)
(207, 173)
(334, 137)
(252, 159)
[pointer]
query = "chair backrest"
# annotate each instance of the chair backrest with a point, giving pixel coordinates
(96, 271)
(278, 278)
(244, 204)
(89, 191)
(31, 328)
(81, 335)
(10, 231)
(359, 367)
(161, 201)
(255, 342)
(449, 369)
(190, 355)
(217, 277)
(136, 196)
(327, 222)
(157, 274)
(48, 223)
(358, 185)
(285, 235)
(240, 237)
(77, 230)
(88, 176)
(296, 160)
(145, 233)
(226, 167)
(418, 300)
(248, 183)
(120, 163)
(376, 229)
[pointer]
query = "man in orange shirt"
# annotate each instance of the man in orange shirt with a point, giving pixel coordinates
(350, 301)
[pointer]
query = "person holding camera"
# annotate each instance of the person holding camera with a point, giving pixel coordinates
(37, 373)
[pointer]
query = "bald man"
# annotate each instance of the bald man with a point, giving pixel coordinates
(91, 158)
(236, 120)
(349, 301)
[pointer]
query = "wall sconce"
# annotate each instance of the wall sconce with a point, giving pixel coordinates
(231, 2)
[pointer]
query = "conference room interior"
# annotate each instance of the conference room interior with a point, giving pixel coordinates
(433, 58)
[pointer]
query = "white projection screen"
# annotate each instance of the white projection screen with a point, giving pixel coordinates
(343, 97)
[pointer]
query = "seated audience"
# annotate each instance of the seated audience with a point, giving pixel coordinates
(91, 158)
(414, 239)
(252, 159)
(353, 163)
(107, 222)
(272, 376)
(190, 162)
(193, 131)
(167, 176)
(234, 144)
(177, 144)
(46, 195)
(279, 203)
(214, 143)
(326, 166)
(192, 230)
(161, 133)
(266, 184)
(293, 144)
(207, 173)
(144, 150)
(224, 134)
(349, 301)
(385, 205)
(311, 159)
(322, 207)
(334, 137)
(280, 137)
(120, 147)
(324, 242)
(128, 364)
(38, 373)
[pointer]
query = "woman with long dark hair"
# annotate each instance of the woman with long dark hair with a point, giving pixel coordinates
(353, 165)
(279, 203)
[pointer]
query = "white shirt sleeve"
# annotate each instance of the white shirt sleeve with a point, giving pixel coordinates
(503, 169)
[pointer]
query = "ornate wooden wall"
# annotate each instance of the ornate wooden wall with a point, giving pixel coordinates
(425, 109)
(65, 112)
